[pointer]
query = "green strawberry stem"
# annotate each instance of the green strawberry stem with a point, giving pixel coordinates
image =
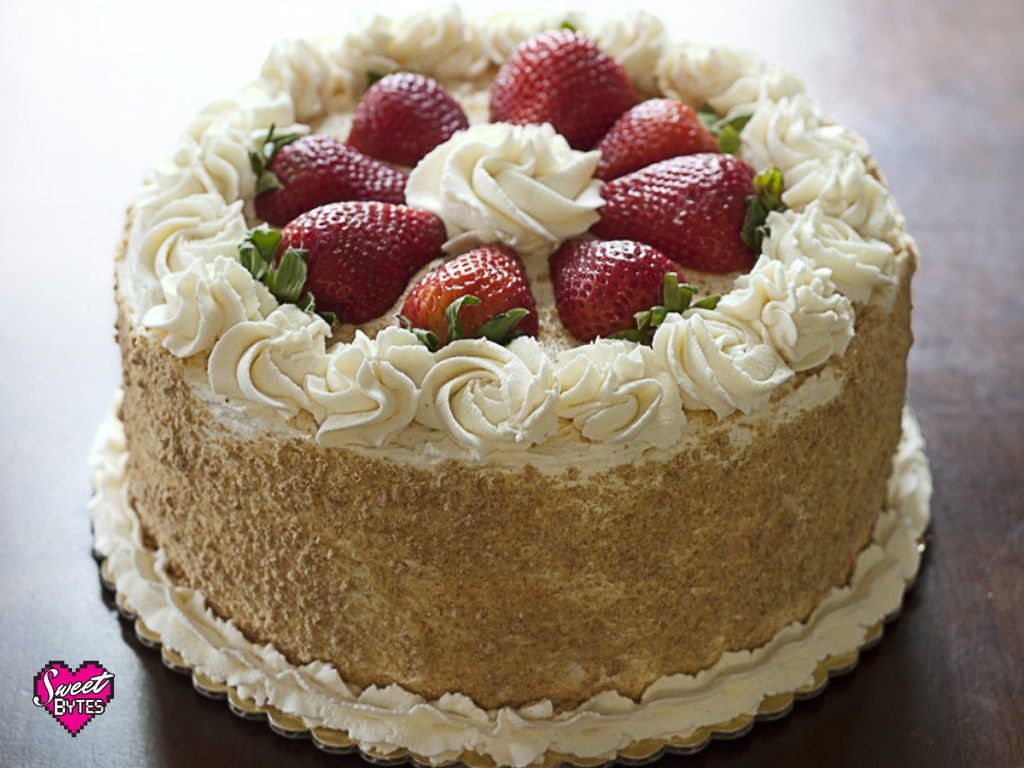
(258, 252)
(767, 197)
(451, 314)
(500, 329)
(727, 131)
(260, 159)
(676, 298)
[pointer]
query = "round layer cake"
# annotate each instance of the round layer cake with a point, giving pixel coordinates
(544, 526)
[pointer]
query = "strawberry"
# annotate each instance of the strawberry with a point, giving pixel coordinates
(600, 285)
(653, 130)
(314, 170)
(403, 116)
(482, 293)
(360, 255)
(692, 208)
(561, 77)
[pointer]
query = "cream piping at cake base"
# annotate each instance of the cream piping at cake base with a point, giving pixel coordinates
(675, 712)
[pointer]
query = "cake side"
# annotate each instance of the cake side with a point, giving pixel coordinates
(513, 586)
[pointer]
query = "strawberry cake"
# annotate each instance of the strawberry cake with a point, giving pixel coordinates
(512, 390)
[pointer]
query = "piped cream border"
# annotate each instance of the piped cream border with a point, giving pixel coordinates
(679, 713)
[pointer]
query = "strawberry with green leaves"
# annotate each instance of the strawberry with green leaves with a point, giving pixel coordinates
(561, 77)
(653, 130)
(601, 285)
(483, 293)
(295, 175)
(361, 255)
(693, 208)
(403, 116)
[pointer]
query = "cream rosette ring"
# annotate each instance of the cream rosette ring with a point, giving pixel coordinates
(839, 242)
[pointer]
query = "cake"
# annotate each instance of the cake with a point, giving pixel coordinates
(526, 550)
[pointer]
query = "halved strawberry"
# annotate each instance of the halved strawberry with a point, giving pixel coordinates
(600, 285)
(361, 255)
(692, 208)
(403, 116)
(561, 77)
(482, 293)
(653, 130)
(316, 170)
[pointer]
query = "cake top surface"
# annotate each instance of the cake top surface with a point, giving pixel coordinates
(831, 246)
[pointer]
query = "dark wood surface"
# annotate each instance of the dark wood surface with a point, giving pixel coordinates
(93, 92)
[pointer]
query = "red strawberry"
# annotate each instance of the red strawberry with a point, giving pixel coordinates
(561, 77)
(404, 116)
(360, 255)
(315, 170)
(653, 130)
(600, 285)
(692, 208)
(491, 274)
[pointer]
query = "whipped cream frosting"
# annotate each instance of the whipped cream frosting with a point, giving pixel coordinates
(795, 308)
(268, 361)
(719, 361)
(859, 266)
(841, 241)
(614, 393)
(486, 396)
(370, 389)
(521, 185)
(204, 301)
(395, 722)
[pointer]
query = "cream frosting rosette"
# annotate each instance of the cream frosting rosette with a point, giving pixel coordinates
(521, 185)
(268, 361)
(845, 189)
(199, 226)
(486, 396)
(720, 363)
(438, 43)
(696, 74)
(613, 392)
(795, 308)
(792, 130)
(502, 31)
(859, 266)
(370, 389)
(205, 300)
(314, 82)
(256, 108)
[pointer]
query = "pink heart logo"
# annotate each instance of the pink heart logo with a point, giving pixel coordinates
(73, 698)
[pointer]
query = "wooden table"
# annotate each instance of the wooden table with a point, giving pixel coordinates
(93, 92)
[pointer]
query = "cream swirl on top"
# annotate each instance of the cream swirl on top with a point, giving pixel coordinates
(268, 361)
(521, 185)
(370, 390)
(203, 301)
(720, 363)
(844, 189)
(486, 396)
(199, 226)
(858, 266)
(613, 392)
(636, 40)
(795, 308)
